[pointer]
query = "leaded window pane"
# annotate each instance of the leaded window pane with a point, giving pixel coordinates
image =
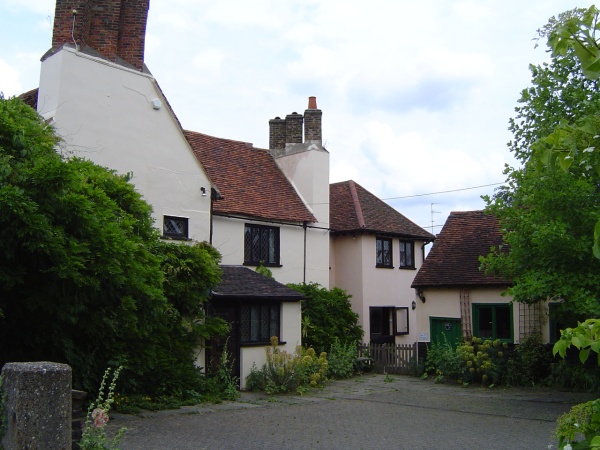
(383, 247)
(406, 254)
(175, 227)
(258, 323)
(254, 323)
(261, 245)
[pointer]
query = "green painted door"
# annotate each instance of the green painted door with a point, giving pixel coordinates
(444, 329)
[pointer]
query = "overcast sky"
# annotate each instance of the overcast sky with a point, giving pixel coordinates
(416, 95)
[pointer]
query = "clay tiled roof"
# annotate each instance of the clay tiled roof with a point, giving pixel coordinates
(240, 282)
(454, 257)
(354, 209)
(249, 180)
(30, 98)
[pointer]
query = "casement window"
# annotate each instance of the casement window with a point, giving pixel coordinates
(493, 321)
(385, 322)
(407, 255)
(175, 227)
(261, 245)
(259, 322)
(383, 247)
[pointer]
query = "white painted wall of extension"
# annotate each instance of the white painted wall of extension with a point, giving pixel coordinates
(118, 118)
(228, 238)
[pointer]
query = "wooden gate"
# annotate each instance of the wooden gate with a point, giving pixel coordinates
(389, 358)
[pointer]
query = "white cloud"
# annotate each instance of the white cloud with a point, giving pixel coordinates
(209, 62)
(416, 96)
(9, 79)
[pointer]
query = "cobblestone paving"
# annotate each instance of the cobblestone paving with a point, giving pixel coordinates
(366, 412)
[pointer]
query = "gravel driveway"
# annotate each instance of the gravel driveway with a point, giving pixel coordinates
(366, 412)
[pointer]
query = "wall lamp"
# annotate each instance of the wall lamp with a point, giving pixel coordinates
(203, 190)
(414, 305)
(420, 294)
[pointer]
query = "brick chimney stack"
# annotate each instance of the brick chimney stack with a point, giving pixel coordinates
(312, 122)
(114, 28)
(293, 128)
(276, 133)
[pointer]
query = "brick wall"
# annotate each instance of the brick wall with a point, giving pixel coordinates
(114, 28)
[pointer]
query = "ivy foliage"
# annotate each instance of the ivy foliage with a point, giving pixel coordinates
(327, 317)
(84, 279)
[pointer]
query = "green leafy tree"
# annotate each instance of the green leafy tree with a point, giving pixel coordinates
(84, 278)
(327, 317)
(559, 93)
(547, 215)
(575, 36)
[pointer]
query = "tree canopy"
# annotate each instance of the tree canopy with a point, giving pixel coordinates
(84, 278)
(547, 215)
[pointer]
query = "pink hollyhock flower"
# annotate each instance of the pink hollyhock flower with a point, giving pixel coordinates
(100, 417)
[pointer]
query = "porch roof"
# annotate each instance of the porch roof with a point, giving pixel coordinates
(240, 282)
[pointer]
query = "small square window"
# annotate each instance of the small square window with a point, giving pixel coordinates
(175, 227)
(383, 247)
(407, 255)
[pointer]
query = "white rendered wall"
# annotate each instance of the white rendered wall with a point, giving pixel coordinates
(228, 238)
(445, 302)
(353, 269)
(290, 334)
(105, 113)
(308, 171)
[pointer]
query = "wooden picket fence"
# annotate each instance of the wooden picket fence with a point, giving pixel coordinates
(389, 358)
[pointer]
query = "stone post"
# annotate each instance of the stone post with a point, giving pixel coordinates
(38, 405)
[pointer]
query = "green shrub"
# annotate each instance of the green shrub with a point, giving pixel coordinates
(483, 360)
(443, 362)
(475, 360)
(284, 372)
(572, 375)
(84, 277)
(529, 363)
(341, 360)
(327, 315)
(583, 420)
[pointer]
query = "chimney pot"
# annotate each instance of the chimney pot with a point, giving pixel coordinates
(312, 122)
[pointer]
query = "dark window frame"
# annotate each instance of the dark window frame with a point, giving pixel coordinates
(259, 322)
(404, 264)
(478, 307)
(380, 253)
(172, 223)
(260, 252)
(380, 316)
